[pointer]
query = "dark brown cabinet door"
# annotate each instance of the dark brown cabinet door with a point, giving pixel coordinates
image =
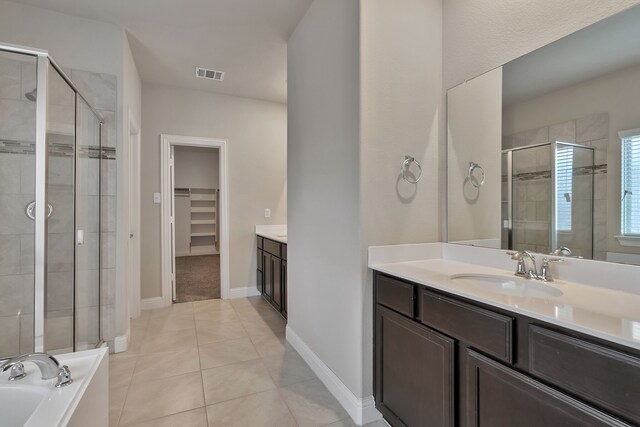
(268, 276)
(499, 396)
(284, 287)
(414, 369)
(276, 271)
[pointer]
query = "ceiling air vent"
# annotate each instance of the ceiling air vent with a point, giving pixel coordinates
(205, 73)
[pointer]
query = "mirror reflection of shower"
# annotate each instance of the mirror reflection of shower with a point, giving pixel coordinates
(547, 198)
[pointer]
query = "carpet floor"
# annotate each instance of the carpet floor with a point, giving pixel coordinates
(197, 278)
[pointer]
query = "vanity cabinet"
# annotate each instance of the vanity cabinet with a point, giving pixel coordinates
(271, 273)
(444, 360)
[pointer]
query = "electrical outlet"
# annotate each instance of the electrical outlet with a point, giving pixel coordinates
(267, 213)
(156, 198)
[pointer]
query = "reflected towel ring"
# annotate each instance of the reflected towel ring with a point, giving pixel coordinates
(472, 167)
(405, 168)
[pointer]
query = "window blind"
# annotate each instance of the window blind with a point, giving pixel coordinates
(564, 188)
(631, 185)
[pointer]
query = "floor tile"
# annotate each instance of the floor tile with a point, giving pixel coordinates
(209, 332)
(271, 344)
(120, 370)
(167, 364)
(183, 308)
(169, 341)
(226, 352)
(266, 409)
(211, 305)
(311, 403)
(348, 422)
(117, 397)
(172, 323)
(288, 368)
(157, 398)
(237, 380)
(193, 418)
(218, 316)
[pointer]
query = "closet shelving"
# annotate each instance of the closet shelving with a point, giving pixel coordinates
(203, 219)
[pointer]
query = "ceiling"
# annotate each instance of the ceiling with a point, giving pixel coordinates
(247, 39)
(606, 46)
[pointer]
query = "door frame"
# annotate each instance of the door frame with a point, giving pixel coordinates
(133, 240)
(166, 142)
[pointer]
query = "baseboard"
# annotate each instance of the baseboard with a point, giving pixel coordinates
(151, 303)
(362, 411)
(120, 343)
(249, 291)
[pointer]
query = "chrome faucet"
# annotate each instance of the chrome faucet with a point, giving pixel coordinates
(48, 365)
(562, 251)
(527, 266)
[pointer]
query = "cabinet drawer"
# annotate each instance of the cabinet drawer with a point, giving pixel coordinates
(283, 250)
(260, 242)
(396, 295)
(483, 329)
(272, 247)
(603, 376)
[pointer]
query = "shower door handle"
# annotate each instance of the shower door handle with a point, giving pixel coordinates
(80, 239)
(30, 210)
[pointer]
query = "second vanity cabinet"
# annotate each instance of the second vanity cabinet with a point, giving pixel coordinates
(443, 360)
(272, 273)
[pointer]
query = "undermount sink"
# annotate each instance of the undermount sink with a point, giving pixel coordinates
(504, 285)
(19, 402)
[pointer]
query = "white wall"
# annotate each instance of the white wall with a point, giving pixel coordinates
(383, 102)
(480, 35)
(474, 134)
(401, 111)
(325, 277)
(257, 156)
(196, 168)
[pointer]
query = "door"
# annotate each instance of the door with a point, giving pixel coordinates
(268, 276)
(414, 372)
(502, 397)
(172, 222)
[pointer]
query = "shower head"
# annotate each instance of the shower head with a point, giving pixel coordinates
(32, 96)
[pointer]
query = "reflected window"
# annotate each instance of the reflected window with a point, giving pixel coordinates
(630, 182)
(564, 187)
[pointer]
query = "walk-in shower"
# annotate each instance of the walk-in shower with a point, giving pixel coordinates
(50, 164)
(547, 198)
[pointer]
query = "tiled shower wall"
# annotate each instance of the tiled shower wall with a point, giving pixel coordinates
(532, 191)
(17, 188)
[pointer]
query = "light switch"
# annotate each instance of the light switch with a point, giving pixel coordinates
(267, 213)
(156, 198)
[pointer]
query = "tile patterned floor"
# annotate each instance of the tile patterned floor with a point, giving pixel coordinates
(216, 363)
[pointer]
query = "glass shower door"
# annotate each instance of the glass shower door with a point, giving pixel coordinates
(17, 193)
(88, 205)
(60, 257)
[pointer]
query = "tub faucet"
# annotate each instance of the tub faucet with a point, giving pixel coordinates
(48, 365)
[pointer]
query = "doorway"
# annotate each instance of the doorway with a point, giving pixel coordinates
(196, 194)
(194, 219)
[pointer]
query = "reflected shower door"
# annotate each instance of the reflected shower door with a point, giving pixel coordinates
(17, 191)
(573, 199)
(60, 134)
(88, 205)
(531, 198)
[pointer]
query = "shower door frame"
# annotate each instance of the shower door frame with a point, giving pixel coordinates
(41, 193)
(553, 238)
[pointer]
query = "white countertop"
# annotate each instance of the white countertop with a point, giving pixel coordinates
(273, 232)
(610, 314)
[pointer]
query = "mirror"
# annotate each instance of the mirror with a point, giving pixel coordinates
(544, 151)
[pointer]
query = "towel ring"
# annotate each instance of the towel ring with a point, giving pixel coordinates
(405, 168)
(472, 167)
